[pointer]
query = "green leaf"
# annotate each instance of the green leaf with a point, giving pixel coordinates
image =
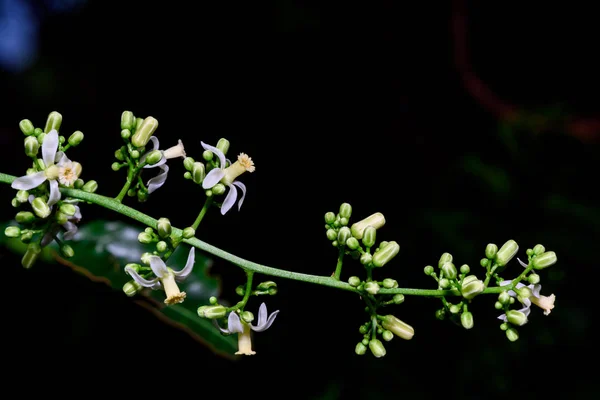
(103, 248)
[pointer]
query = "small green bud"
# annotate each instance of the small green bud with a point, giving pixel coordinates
(37, 132)
(240, 290)
(26, 236)
(369, 236)
(504, 298)
(119, 154)
(40, 207)
(365, 341)
(504, 326)
(26, 127)
(223, 145)
(533, 278)
(512, 334)
(343, 235)
(31, 146)
(61, 139)
(212, 300)
(353, 280)
(41, 137)
(440, 314)
(135, 154)
(131, 192)
(329, 218)
(491, 250)
(484, 262)
(138, 122)
(143, 133)
(145, 238)
(331, 234)
(67, 251)
(372, 287)
(464, 269)
(529, 252)
(352, 243)
(207, 155)
(498, 305)
(53, 122)
(382, 257)
(15, 203)
(189, 232)
(366, 258)
(78, 183)
(389, 283)
(68, 209)
(218, 189)
(131, 288)
(345, 210)
(360, 349)
(127, 120)
(161, 246)
(187, 175)
(61, 217)
(428, 270)
(454, 309)
(22, 196)
(387, 335)
(31, 255)
(247, 316)
(377, 348)
(212, 312)
(134, 266)
(265, 286)
(12, 231)
(524, 292)
(188, 163)
(125, 134)
(471, 287)
(506, 253)
(376, 220)
(116, 166)
(544, 260)
(154, 157)
(344, 221)
(397, 327)
(364, 329)
(444, 283)
(466, 319)
(198, 172)
(516, 317)
(446, 257)
(163, 227)
(538, 249)
(398, 298)
(449, 270)
(90, 186)
(75, 138)
(24, 217)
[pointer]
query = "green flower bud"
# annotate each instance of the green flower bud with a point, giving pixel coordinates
(498, 305)
(329, 218)
(331, 234)
(135, 154)
(506, 253)
(464, 269)
(398, 298)
(428, 270)
(533, 278)
(372, 287)
(516, 317)
(538, 249)
(40, 207)
(31, 146)
(360, 349)
(125, 134)
(377, 348)
(444, 283)
(75, 138)
(454, 309)
(344, 221)
(504, 298)
(26, 127)
(53, 122)
(134, 266)
(544, 260)
(15, 203)
(218, 189)
(41, 137)
(387, 335)
(138, 123)
(247, 316)
(12, 231)
(68, 209)
(67, 251)
(449, 270)
(265, 286)
(524, 292)
(161, 246)
(504, 326)
(440, 314)
(343, 235)
(131, 288)
(207, 155)
(369, 236)
(187, 175)
(198, 172)
(529, 252)
(366, 258)
(484, 262)
(471, 287)
(212, 312)
(90, 186)
(376, 220)
(31, 255)
(223, 145)
(154, 157)
(353, 280)
(145, 238)
(466, 319)
(345, 210)
(163, 227)
(389, 283)
(116, 166)
(446, 257)
(189, 232)
(26, 236)
(382, 257)
(131, 192)
(37, 132)
(212, 300)
(240, 290)
(22, 196)
(512, 334)
(24, 217)
(78, 183)
(143, 133)
(119, 154)
(491, 250)
(397, 327)
(352, 243)
(127, 120)
(188, 163)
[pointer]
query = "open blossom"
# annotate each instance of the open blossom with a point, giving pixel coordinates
(172, 152)
(236, 325)
(166, 278)
(58, 169)
(227, 176)
(546, 303)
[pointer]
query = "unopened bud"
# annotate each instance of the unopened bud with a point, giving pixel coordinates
(265, 286)
(389, 283)
(329, 218)
(24, 217)
(188, 163)
(398, 327)
(198, 172)
(223, 145)
(471, 287)
(31, 255)
(40, 207)
(377, 348)
(53, 122)
(366, 258)
(75, 138)
(360, 349)
(144, 132)
(12, 231)
(376, 220)
(491, 250)
(31, 146)
(127, 120)
(512, 334)
(218, 189)
(545, 260)
(538, 249)
(398, 298)
(26, 127)
(372, 287)
(466, 320)
(163, 227)
(68, 209)
(345, 210)
(90, 186)
(352, 243)
(154, 157)
(354, 281)
(507, 252)
(216, 311)
(67, 251)
(22, 196)
(446, 257)
(343, 235)
(145, 238)
(369, 236)
(161, 246)
(449, 270)
(382, 257)
(247, 317)
(516, 317)
(131, 288)
(189, 232)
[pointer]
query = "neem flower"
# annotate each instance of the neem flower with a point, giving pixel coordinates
(236, 325)
(172, 152)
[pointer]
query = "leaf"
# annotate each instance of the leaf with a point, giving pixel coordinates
(103, 248)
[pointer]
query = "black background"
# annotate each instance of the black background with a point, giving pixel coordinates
(335, 102)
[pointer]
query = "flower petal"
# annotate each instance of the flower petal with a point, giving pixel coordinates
(49, 147)
(71, 230)
(221, 329)
(136, 277)
(28, 182)
(503, 317)
(243, 187)
(181, 275)
(54, 193)
(268, 324)
(155, 143)
(158, 266)
(212, 178)
(77, 215)
(536, 290)
(218, 152)
(522, 263)
(234, 325)
(229, 200)
(61, 158)
(158, 180)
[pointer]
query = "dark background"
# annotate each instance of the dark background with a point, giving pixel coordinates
(462, 123)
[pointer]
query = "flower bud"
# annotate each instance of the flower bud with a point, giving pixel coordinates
(377, 348)
(189, 232)
(466, 320)
(67, 251)
(397, 327)
(345, 210)
(53, 122)
(12, 231)
(24, 217)
(538, 249)
(40, 207)
(369, 236)
(484, 262)
(491, 250)
(464, 269)
(22, 196)
(331, 234)
(90, 186)
(343, 235)
(446, 257)
(382, 257)
(127, 120)
(223, 145)
(143, 133)
(440, 314)
(353, 280)
(372, 287)
(366, 258)
(449, 270)
(247, 317)
(68, 209)
(154, 157)
(428, 270)
(329, 218)
(161, 246)
(31, 146)
(344, 221)
(125, 134)
(198, 172)
(26, 127)
(471, 287)
(135, 267)
(360, 349)
(188, 163)
(216, 311)
(398, 298)
(504, 298)
(163, 227)
(376, 220)
(516, 317)
(131, 288)
(389, 283)
(352, 243)
(31, 255)
(387, 335)
(506, 253)
(145, 238)
(533, 278)
(213, 300)
(544, 260)
(75, 138)
(512, 334)
(240, 290)
(265, 286)
(218, 189)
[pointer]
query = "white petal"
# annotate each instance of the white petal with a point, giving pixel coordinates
(503, 317)
(49, 147)
(61, 158)
(71, 230)
(268, 324)
(212, 178)
(158, 266)
(181, 275)
(158, 180)
(243, 187)
(139, 279)
(77, 215)
(28, 182)
(229, 200)
(522, 263)
(155, 143)
(218, 152)
(54, 193)
(536, 290)
(48, 238)
(221, 329)
(234, 325)
(262, 314)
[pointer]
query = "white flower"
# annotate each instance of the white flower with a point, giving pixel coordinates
(58, 168)
(165, 277)
(236, 325)
(546, 303)
(227, 176)
(172, 152)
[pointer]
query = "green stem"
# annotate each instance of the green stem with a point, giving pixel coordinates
(126, 187)
(200, 216)
(242, 303)
(338, 267)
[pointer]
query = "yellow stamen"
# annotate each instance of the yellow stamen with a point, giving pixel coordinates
(67, 174)
(174, 296)
(546, 303)
(246, 162)
(243, 164)
(245, 342)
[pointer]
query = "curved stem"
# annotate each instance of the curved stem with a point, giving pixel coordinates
(205, 208)
(338, 267)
